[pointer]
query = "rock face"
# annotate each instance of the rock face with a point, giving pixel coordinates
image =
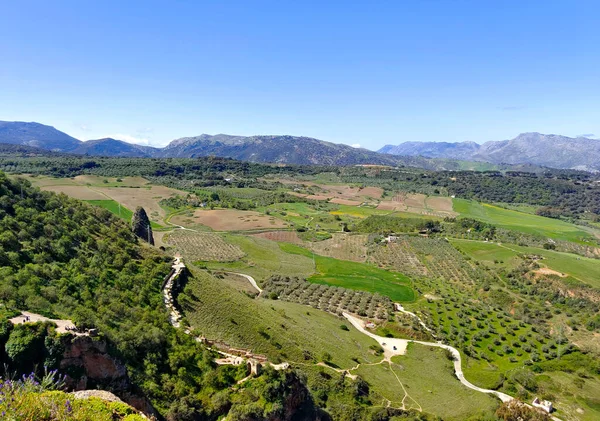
(298, 404)
(90, 366)
(141, 225)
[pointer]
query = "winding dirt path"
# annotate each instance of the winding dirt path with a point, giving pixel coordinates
(250, 279)
(457, 361)
(394, 346)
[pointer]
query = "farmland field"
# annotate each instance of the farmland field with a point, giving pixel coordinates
(195, 246)
(488, 252)
(113, 207)
(146, 197)
(292, 332)
(524, 222)
(285, 236)
(421, 256)
(228, 220)
(581, 268)
(130, 192)
(281, 330)
(264, 258)
(343, 246)
(418, 204)
(428, 378)
(354, 275)
(76, 191)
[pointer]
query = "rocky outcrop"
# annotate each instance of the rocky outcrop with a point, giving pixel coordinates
(140, 224)
(89, 365)
(298, 404)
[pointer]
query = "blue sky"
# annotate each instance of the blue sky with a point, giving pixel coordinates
(368, 73)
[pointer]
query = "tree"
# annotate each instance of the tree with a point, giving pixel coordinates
(141, 225)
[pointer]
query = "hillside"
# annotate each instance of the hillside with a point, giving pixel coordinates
(266, 149)
(114, 147)
(528, 148)
(65, 259)
(36, 135)
(462, 150)
(276, 149)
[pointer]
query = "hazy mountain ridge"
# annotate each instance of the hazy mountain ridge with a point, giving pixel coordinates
(114, 147)
(277, 149)
(528, 148)
(36, 135)
(534, 148)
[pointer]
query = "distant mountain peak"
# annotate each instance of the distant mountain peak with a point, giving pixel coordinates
(535, 148)
(36, 135)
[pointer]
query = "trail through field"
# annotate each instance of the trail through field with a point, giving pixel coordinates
(63, 326)
(394, 346)
(386, 343)
(400, 308)
(250, 279)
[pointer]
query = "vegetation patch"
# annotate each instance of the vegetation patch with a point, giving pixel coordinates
(207, 246)
(354, 275)
(327, 298)
(524, 222)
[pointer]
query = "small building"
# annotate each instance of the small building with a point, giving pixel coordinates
(545, 405)
(391, 238)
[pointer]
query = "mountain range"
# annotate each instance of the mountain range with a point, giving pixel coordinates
(528, 148)
(274, 149)
(548, 150)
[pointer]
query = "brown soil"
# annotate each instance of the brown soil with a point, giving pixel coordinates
(388, 205)
(147, 198)
(77, 192)
(231, 220)
(345, 202)
(285, 236)
(443, 204)
(548, 271)
(316, 197)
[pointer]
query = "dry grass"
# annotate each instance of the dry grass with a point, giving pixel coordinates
(97, 180)
(147, 198)
(419, 203)
(441, 204)
(344, 247)
(77, 192)
(230, 220)
(236, 281)
(345, 202)
(284, 236)
(206, 246)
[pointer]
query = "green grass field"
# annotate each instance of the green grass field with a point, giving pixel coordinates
(524, 222)
(263, 259)
(429, 379)
(278, 329)
(354, 275)
(489, 253)
(290, 332)
(120, 211)
(580, 268)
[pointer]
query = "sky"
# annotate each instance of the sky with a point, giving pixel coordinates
(362, 73)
